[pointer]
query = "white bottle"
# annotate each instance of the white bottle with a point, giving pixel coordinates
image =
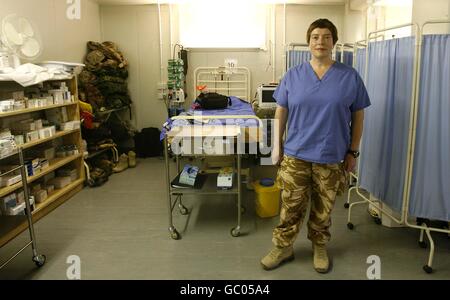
(180, 95)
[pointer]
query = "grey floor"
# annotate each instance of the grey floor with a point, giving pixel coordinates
(119, 231)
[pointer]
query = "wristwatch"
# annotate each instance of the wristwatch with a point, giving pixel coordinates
(355, 153)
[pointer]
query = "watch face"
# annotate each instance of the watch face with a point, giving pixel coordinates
(354, 153)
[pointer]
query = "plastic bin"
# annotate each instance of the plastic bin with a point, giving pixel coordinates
(267, 198)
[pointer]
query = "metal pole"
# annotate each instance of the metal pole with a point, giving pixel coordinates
(239, 204)
(169, 197)
(27, 203)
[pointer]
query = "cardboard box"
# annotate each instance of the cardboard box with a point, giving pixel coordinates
(8, 202)
(46, 132)
(58, 96)
(17, 210)
(225, 178)
(49, 188)
(19, 139)
(35, 188)
(49, 177)
(24, 126)
(44, 164)
(71, 125)
(32, 136)
(9, 180)
(60, 182)
(20, 197)
(6, 105)
(40, 196)
(72, 173)
(49, 153)
(57, 115)
(20, 104)
(18, 95)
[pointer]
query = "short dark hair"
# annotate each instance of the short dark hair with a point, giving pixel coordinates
(323, 23)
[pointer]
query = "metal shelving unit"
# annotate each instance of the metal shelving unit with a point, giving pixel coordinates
(12, 226)
(11, 223)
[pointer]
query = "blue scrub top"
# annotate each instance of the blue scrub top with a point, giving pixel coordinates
(320, 111)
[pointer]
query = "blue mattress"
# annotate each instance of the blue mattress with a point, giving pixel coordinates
(237, 107)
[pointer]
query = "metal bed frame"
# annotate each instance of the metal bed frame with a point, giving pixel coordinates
(224, 80)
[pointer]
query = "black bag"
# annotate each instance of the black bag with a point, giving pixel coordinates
(147, 143)
(213, 101)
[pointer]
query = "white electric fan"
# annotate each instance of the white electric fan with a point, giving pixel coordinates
(19, 38)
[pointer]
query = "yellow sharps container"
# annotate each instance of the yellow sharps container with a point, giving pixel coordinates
(267, 198)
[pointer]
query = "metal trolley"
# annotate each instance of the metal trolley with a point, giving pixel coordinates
(9, 223)
(175, 194)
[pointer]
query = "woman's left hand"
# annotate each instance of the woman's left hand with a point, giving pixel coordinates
(349, 163)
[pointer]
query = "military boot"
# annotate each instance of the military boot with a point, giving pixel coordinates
(321, 261)
(276, 257)
(122, 164)
(131, 159)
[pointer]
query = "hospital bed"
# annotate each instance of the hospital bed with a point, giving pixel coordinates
(219, 133)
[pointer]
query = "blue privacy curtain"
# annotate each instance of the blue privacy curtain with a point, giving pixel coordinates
(360, 61)
(296, 57)
(348, 58)
(386, 124)
(430, 187)
(338, 56)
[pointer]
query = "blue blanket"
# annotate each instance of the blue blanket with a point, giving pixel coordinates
(237, 107)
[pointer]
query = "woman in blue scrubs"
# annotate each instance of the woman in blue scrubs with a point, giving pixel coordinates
(322, 104)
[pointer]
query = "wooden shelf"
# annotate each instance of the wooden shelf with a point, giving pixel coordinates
(55, 195)
(11, 226)
(41, 141)
(54, 164)
(29, 110)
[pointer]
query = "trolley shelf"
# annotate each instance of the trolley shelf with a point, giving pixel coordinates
(209, 187)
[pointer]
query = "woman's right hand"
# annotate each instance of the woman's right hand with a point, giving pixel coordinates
(277, 155)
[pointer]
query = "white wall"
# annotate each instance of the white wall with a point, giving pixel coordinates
(354, 25)
(298, 19)
(420, 12)
(395, 16)
(425, 11)
(63, 39)
(135, 30)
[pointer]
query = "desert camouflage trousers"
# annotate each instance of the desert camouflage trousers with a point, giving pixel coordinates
(302, 182)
